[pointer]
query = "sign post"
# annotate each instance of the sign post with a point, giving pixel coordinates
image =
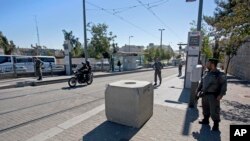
(193, 49)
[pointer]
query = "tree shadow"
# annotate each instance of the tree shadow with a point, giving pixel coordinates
(237, 111)
(76, 87)
(238, 81)
(206, 134)
(110, 131)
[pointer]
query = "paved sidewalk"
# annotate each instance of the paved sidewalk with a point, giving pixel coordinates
(171, 121)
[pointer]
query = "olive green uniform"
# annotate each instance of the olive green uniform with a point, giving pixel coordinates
(158, 66)
(213, 84)
(38, 65)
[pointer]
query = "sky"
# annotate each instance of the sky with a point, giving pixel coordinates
(124, 18)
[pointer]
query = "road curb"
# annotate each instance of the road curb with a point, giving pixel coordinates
(46, 82)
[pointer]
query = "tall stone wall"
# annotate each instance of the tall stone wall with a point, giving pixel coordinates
(240, 64)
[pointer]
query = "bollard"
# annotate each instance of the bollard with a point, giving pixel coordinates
(195, 77)
(129, 102)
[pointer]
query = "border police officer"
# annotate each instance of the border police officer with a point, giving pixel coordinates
(38, 66)
(213, 86)
(157, 66)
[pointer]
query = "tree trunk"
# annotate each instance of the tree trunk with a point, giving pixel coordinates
(228, 62)
(102, 64)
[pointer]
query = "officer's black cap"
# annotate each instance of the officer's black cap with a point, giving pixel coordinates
(213, 60)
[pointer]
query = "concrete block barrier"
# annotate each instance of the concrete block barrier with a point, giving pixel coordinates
(129, 102)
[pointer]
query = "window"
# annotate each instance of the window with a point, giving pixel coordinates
(23, 60)
(5, 59)
(50, 60)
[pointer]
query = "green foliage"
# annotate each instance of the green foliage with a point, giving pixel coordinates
(100, 41)
(206, 49)
(156, 52)
(77, 50)
(8, 46)
(231, 22)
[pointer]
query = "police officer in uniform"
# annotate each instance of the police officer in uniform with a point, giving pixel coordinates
(213, 87)
(38, 66)
(157, 66)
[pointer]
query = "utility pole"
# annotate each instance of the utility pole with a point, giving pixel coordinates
(85, 31)
(199, 15)
(37, 32)
(161, 36)
(199, 21)
(129, 42)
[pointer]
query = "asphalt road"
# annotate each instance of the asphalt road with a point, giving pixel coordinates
(27, 111)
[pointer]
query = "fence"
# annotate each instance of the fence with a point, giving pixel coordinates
(14, 71)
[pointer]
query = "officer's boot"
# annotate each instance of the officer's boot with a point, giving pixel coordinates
(204, 121)
(216, 126)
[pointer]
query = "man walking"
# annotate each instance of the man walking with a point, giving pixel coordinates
(213, 86)
(38, 67)
(157, 67)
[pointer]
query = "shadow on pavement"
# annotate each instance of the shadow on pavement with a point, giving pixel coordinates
(237, 111)
(182, 77)
(69, 88)
(109, 131)
(237, 81)
(191, 115)
(156, 86)
(184, 97)
(206, 134)
(170, 101)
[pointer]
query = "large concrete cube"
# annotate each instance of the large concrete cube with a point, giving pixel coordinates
(129, 102)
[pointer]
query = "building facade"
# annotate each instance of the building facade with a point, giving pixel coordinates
(240, 64)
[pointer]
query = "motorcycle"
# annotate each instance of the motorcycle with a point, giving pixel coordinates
(80, 78)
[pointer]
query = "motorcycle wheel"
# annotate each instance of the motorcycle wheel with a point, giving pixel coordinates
(90, 79)
(72, 82)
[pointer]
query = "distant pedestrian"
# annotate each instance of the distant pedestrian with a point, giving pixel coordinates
(157, 67)
(213, 87)
(119, 65)
(180, 68)
(38, 68)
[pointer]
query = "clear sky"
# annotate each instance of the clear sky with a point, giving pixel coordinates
(17, 20)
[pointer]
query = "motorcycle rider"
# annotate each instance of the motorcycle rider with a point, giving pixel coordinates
(85, 70)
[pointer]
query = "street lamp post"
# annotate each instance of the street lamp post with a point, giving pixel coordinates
(85, 31)
(129, 42)
(161, 36)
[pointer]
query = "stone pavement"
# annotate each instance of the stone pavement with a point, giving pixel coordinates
(171, 121)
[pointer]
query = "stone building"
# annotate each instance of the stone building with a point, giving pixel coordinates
(240, 64)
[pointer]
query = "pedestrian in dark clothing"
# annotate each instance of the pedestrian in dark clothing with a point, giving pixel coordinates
(213, 87)
(180, 68)
(157, 67)
(119, 65)
(38, 67)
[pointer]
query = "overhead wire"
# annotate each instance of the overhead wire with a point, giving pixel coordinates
(157, 17)
(121, 18)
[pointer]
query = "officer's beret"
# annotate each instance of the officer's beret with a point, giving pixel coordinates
(213, 60)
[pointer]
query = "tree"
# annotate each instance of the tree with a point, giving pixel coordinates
(77, 50)
(8, 46)
(231, 23)
(157, 52)
(100, 40)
